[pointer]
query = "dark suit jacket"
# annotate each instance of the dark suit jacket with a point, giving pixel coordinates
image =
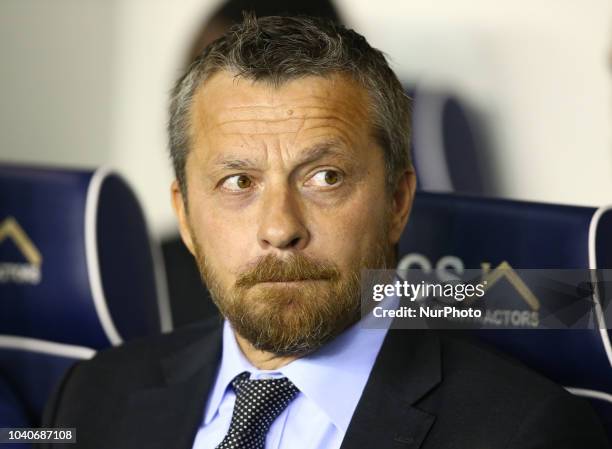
(426, 390)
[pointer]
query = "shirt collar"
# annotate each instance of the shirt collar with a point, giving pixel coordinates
(333, 377)
(233, 362)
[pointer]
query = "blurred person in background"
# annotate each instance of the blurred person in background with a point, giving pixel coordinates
(231, 12)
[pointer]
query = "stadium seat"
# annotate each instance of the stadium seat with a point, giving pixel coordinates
(465, 232)
(77, 274)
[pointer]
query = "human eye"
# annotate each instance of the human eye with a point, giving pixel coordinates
(325, 178)
(237, 183)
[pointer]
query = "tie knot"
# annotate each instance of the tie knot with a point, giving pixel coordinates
(264, 390)
(258, 404)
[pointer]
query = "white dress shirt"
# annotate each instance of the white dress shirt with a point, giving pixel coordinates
(330, 381)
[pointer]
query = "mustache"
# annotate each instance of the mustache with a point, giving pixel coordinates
(297, 267)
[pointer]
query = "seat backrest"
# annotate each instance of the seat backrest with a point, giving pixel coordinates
(448, 145)
(78, 274)
(465, 232)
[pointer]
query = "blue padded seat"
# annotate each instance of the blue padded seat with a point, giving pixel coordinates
(12, 413)
(78, 274)
(470, 231)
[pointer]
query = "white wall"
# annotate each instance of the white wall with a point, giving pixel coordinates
(86, 82)
(55, 92)
(540, 71)
(151, 40)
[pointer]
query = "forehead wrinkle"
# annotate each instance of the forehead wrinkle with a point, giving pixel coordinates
(319, 112)
(280, 127)
(330, 147)
(234, 163)
(332, 94)
(265, 114)
(303, 101)
(323, 117)
(255, 127)
(320, 150)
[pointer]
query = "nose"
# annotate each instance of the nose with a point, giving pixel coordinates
(281, 222)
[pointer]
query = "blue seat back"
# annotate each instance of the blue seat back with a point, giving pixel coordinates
(465, 232)
(78, 274)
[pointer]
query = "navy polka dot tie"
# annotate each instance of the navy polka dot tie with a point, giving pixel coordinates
(258, 404)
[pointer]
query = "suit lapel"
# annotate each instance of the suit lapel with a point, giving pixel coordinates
(169, 415)
(407, 368)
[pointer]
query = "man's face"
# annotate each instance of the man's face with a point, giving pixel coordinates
(286, 204)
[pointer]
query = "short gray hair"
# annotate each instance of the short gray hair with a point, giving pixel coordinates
(277, 49)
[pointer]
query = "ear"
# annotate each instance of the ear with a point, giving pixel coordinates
(180, 210)
(401, 204)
